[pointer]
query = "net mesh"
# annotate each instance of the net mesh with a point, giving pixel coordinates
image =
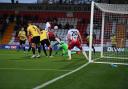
(115, 34)
(113, 8)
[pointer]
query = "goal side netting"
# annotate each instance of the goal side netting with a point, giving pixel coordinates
(109, 33)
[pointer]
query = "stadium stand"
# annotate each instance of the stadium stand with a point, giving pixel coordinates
(69, 15)
(8, 33)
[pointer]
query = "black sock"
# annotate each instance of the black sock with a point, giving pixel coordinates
(39, 50)
(33, 50)
(50, 52)
(29, 48)
(44, 51)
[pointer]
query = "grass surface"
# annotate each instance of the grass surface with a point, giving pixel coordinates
(18, 71)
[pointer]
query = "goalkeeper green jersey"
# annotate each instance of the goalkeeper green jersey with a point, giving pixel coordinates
(63, 46)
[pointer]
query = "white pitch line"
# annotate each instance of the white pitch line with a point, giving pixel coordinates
(60, 77)
(11, 54)
(34, 69)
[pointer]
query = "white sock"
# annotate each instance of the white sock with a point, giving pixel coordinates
(84, 53)
(69, 54)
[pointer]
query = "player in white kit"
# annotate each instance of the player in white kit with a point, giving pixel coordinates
(74, 39)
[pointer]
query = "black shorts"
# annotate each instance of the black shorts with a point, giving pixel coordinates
(36, 40)
(22, 42)
(45, 41)
(113, 45)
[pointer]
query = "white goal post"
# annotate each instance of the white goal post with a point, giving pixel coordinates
(109, 23)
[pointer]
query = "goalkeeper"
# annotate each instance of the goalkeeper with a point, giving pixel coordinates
(63, 47)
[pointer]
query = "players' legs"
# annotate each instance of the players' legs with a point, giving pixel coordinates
(80, 47)
(36, 42)
(19, 47)
(50, 50)
(93, 49)
(39, 49)
(55, 45)
(23, 45)
(69, 54)
(38, 45)
(33, 50)
(49, 47)
(42, 43)
(84, 53)
(114, 48)
(70, 46)
(29, 47)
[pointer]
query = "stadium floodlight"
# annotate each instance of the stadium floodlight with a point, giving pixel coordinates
(110, 23)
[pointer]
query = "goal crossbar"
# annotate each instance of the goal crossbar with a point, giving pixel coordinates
(112, 8)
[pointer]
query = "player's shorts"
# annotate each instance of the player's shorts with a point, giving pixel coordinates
(73, 43)
(22, 42)
(45, 41)
(51, 36)
(113, 45)
(36, 40)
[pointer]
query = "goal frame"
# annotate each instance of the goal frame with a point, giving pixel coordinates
(102, 30)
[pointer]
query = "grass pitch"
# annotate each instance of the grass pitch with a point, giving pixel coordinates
(18, 71)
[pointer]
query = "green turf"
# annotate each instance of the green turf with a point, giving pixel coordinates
(95, 76)
(18, 71)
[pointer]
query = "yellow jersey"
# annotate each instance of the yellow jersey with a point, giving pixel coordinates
(88, 38)
(43, 35)
(22, 35)
(33, 30)
(113, 39)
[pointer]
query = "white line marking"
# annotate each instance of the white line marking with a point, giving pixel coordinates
(33, 69)
(11, 54)
(60, 77)
(112, 63)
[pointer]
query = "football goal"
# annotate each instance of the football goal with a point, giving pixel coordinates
(109, 23)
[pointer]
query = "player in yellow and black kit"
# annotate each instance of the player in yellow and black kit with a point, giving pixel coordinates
(87, 41)
(22, 38)
(45, 40)
(34, 31)
(113, 43)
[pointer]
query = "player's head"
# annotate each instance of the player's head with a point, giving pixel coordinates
(71, 26)
(86, 34)
(29, 23)
(22, 29)
(41, 29)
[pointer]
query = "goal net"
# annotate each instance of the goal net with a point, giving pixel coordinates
(109, 24)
